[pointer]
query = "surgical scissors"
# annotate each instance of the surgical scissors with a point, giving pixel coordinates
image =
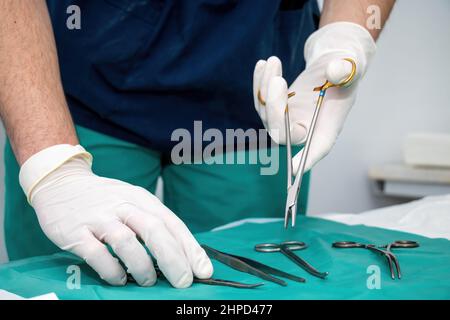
(287, 248)
(390, 257)
(293, 187)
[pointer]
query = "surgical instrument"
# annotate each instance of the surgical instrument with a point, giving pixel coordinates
(390, 257)
(209, 281)
(213, 282)
(250, 266)
(293, 187)
(287, 249)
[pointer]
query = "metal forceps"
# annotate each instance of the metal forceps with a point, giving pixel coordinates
(210, 281)
(390, 257)
(250, 266)
(293, 187)
(287, 249)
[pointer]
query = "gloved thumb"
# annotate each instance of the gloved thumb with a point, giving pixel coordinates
(338, 70)
(318, 150)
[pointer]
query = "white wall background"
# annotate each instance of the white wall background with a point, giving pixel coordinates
(406, 89)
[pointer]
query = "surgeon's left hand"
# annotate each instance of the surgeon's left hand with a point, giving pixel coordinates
(325, 50)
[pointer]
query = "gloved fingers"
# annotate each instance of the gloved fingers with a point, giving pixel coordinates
(338, 70)
(257, 75)
(320, 147)
(301, 107)
(170, 256)
(298, 133)
(126, 246)
(99, 258)
(272, 69)
(198, 259)
(275, 109)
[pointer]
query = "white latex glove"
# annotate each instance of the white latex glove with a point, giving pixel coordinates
(324, 51)
(81, 212)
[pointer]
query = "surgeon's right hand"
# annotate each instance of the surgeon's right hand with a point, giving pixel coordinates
(81, 212)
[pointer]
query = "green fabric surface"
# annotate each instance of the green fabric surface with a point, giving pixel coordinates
(426, 272)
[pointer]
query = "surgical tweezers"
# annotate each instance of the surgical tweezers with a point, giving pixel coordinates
(209, 281)
(293, 187)
(251, 266)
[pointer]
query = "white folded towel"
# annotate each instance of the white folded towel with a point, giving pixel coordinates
(427, 150)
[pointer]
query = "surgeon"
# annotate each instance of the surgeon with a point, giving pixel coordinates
(91, 92)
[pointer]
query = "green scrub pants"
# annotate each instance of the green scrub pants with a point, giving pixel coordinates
(203, 196)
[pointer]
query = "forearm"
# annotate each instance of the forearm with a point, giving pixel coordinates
(355, 11)
(32, 103)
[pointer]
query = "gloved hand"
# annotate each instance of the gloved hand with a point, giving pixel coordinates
(324, 53)
(81, 212)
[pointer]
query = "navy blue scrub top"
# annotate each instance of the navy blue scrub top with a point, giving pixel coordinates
(137, 70)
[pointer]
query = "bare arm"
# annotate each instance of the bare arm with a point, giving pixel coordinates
(32, 103)
(355, 11)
